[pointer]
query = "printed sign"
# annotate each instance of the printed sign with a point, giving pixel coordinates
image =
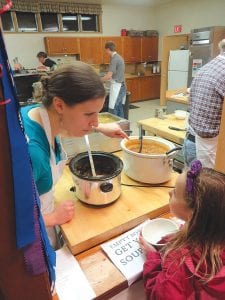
(177, 28)
(126, 253)
(196, 65)
(68, 275)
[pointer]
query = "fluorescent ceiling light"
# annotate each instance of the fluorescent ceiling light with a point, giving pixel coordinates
(85, 18)
(28, 29)
(69, 18)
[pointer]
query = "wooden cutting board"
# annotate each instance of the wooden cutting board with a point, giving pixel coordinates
(92, 226)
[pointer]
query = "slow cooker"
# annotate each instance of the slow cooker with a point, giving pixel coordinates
(103, 189)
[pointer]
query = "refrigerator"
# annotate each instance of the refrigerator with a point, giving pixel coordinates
(203, 47)
(178, 69)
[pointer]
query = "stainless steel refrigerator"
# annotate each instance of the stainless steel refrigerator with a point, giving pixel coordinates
(203, 47)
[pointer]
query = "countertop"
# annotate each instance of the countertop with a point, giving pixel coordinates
(34, 73)
(130, 76)
(92, 226)
(160, 127)
(31, 73)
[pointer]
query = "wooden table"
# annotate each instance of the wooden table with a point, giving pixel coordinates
(160, 127)
(176, 95)
(92, 226)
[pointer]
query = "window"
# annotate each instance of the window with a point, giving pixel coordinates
(49, 22)
(70, 22)
(26, 21)
(89, 23)
(7, 22)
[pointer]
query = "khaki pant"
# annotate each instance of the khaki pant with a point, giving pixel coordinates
(206, 150)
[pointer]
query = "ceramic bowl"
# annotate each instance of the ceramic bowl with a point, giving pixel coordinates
(180, 114)
(156, 229)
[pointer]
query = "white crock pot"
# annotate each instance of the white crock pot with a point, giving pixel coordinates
(148, 168)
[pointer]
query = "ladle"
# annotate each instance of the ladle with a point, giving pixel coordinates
(90, 155)
(141, 139)
(174, 149)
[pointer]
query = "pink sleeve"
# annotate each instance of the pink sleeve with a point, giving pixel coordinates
(159, 283)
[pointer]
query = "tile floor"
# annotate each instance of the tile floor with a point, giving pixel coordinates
(146, 110)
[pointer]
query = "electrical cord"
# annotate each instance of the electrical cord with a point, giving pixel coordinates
(73, 188)
(147, 186)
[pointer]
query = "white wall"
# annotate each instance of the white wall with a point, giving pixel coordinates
(129, 17)
(190, 14)
(114, 18)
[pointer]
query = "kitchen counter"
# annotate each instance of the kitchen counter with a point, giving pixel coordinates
(129, 76)
(91, 226)
(30, 74)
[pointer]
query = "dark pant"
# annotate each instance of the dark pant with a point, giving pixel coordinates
(118, 109)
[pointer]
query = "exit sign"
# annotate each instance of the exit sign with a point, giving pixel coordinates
(177, 28)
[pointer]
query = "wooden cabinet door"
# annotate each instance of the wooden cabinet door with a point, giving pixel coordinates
(91, 50)
(117, 40)
(132, 49)
(145, 88)
(155, 87)
(71, 45)
(61, 45)
(133, 86)
(150, 87)
(149, 48)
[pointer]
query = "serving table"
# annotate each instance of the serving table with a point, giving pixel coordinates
(178, 95)
(176, 99)
(91, 226)
(160, 127)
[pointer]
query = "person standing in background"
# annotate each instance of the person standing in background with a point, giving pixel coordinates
(205, 105)
(117, 96)
(45, 62)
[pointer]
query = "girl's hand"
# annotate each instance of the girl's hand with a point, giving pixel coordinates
(64, 212)
(112, 130)
(146, 246)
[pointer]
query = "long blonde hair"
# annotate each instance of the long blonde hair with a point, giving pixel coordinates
(205, 230)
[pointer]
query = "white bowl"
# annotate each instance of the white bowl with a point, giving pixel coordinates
(156, 229)
(180, 114)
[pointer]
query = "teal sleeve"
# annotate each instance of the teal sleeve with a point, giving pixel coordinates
(41, 169)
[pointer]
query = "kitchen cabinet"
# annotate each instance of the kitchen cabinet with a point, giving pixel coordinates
(149, 48)
(133, 86)
(143, 88)
(149, 87)
(132, 49)
(155, 87)
(117, 40)
(91, 50)
(61, 45)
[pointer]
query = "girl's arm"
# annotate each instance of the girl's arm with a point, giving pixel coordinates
(164, 282)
